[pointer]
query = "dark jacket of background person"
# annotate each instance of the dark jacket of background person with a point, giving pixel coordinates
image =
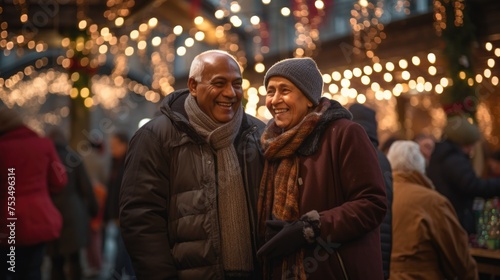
(428, 241)
(116, 172)
(76, 202)
(38, 172)
(451, 171)
(366, 118)
(170, 185)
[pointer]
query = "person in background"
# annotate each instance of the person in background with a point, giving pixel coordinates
(30, 172)
(77, 204)
(115, 252)
(493, 163)
(97, 169)
(322, 195)
(366, 118)
(451, 170)
(428, 240)
(189, 195)
(426, 143)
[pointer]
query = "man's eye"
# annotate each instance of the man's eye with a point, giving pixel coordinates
(237, 85)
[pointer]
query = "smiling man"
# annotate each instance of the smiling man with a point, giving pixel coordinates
(189, 194)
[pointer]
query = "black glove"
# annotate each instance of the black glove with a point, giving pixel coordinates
(285, 242)
(273, 227)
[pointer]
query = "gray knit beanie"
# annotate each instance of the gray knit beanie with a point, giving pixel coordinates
(303, 73)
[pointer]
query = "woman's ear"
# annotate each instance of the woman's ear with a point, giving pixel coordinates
(192, 84)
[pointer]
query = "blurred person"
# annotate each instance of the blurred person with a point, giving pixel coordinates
(115, 252)
(95, 164)
(322, 195)
(30, 172)
(493, 163)
(451, 170)
(366, 118)
(428, 240)
(77, 204)
(189, 195)
(384, 147)
(426, 143)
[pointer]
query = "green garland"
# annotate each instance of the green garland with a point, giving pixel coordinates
(458, 98)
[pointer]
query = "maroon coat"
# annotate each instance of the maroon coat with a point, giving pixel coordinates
(342, 180)
(38, 171)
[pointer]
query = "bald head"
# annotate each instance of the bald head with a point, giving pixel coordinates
(207, 57)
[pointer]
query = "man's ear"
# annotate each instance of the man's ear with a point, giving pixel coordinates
(192, 84)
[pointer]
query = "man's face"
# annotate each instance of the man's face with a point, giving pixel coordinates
(219, 92)
(118, 148)
(286, 102)
(426, 147)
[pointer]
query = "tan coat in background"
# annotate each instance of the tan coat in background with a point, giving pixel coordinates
(428, 241)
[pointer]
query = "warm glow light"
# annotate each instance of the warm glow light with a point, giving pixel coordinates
(142, 45)
(357, 72)
(177, 30)
(265, 2)
(84, 92)
(82, 24)
(245, 84)
(494, 80)
(88, 102)
(259, 67)
(285, 11)
(388, 77)
(153, 22)
(236, 21)
(444, 82)
(432, 70)
(156, 41)
(119, 21)
(189, 42)
(432, 58)
(319, 4)
(336, 76)
(134, 34)
(181, 51)
(327, 78)
(377, 67)
(479, 78)
(367, 69)
(198, 20)
(333, 88)
(361, 98)
(491, 63)
(255, 20)
(129, 51)
(439, 89)
(470, 82)
(488, 46)
(348, 74)
(219, 14)
(427, 86)
(462, 75)
(497, 52)
(487, 73)
(345, 83)
(375, 86)
(403, 64)
(262, 90)
(415, 60)
(363, 3)
(365, 80)
(405, 75)
(199, 36)
(389, 66)
(235, 7)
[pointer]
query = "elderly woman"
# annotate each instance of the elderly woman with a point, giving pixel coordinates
(428, 241)
(321, 198)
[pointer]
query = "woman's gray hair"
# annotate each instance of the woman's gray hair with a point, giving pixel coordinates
(196, 69)
(406, 156)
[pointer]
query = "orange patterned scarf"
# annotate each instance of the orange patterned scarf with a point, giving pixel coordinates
(279, 187)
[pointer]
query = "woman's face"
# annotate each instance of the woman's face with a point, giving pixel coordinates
(286, 102)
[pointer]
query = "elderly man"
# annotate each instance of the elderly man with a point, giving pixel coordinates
(188, 198)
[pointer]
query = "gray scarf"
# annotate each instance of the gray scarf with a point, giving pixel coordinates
(233, 215)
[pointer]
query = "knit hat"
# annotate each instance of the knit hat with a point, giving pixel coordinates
(460, 131)
(303, 73)
(365, 116)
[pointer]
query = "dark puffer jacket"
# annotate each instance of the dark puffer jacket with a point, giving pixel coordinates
(366, 118)
(168, 199)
